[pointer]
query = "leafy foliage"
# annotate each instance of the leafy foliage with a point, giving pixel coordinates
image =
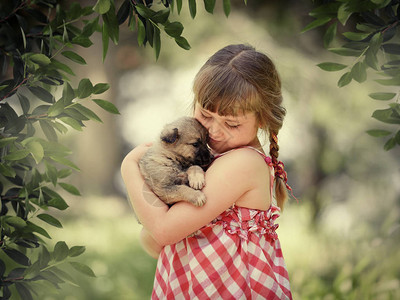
(370, 39)
(38, 41)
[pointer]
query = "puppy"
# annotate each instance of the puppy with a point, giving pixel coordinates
(174, 166)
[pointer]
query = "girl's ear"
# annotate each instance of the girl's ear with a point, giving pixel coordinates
(169, 135)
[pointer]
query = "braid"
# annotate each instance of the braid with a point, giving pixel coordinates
(280, 174)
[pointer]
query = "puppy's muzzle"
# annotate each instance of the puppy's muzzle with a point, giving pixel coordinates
(203, 157)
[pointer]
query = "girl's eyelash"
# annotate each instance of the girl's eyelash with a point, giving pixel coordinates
(232, 126)
(205, 117)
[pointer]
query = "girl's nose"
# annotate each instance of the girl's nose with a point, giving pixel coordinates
(214, 128)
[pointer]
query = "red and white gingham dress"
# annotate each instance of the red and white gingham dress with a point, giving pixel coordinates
(236, 256)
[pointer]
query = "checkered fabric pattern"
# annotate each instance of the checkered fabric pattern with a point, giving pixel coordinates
(237, 256)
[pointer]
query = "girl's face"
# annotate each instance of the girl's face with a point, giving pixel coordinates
(228, 132)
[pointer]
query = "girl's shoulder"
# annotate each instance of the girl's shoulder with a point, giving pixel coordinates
(241, 159)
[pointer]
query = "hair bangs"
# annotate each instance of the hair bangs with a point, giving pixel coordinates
(218, 89)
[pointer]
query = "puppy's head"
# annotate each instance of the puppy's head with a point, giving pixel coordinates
(186, 140)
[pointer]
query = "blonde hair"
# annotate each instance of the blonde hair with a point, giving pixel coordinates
(238, 79)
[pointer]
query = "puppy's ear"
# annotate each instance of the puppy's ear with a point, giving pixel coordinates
(169, 135)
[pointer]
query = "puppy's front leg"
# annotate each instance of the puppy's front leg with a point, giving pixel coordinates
(196, 177)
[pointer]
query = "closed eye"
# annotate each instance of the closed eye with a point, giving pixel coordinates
(204, 116)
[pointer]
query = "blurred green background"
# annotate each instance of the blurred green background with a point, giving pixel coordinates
(341, 239)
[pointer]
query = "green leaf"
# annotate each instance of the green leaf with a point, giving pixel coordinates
(34, 228)
(105, 40)
(192, 8)
(87, 113)
(382, 96)
(40, 59)
(316, 23)
(390, 144)
(102, 6)
(330, 66)
(161, 16)
(72, 122)
(76, 251)
(64, 276)
(375, 42)
(17, 154)
(157, 42)
(23, 291)
(90, 27)
(209, 5)
(32, 271)
(17, 256)
(106, 105)
(74, 57)
(42, 94)
(44, 257)
(68, 94)
(378, 132)
(358, 72)
(144, 11)
(356, 36)
(65, 162)
(112, 24)
(227, 7)
(25, 105)
(56, 109)
(14, 221)
(174, 29)
(391, 48)
(48, 130)
(6, 141)
(395, 81)
(141, 33)
(343, 13)
(60, 251)
(82, 268)
(58, 203)
(51, 172)
(149, 32)
(330, 34)
(85, 88)
(36, 150)
(345, 79)
(64, 173)
(7, 171)
(371, 59)
(385, 116)
(100, 88)
(179, 6)
(82, 41)
(182, 42)
(397, 137)
(345, 51)
(70, 188)
(50, 220)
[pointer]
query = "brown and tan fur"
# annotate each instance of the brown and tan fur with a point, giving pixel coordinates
(173, 166)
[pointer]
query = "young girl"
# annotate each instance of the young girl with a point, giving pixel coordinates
(228, 248)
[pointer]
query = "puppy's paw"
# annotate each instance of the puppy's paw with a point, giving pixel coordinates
(199, 199)
(196, 177)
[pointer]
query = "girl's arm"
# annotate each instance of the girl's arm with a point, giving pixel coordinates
(227, 179)
(149, 244)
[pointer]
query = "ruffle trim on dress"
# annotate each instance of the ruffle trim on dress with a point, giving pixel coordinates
(243, 221)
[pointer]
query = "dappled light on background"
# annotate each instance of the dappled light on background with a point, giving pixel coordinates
(339, 240)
